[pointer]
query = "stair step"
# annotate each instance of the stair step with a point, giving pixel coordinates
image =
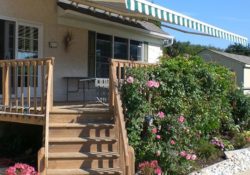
(83, 147)
(77, 155)
(81, 140)
(79, 125)
(78, 117)
(98, 171)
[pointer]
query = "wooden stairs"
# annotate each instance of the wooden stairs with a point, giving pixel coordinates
(83, 143)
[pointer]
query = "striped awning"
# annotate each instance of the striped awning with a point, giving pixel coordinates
(166, 15)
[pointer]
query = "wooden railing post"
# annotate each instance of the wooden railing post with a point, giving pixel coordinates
(6, 84)
(41, 161)
(117, 76)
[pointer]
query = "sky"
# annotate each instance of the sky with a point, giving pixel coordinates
(233, 16)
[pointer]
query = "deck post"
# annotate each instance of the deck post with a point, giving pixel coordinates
(6, 83)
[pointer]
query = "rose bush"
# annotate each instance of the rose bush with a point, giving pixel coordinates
(171, 106)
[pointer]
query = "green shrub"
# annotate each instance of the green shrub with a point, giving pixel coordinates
(188, 88)
(240, 108)
(207, 151)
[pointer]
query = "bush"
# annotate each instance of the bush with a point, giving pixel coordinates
(170, 107)
(240, 108)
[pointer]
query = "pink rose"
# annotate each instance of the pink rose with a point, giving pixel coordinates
(181, 119)
(161, 114)
(193, 157)
(172, 142)
(130, 80)
(156, 84)
(183, 153)
(158, 171)
(154, 130)
(150, 84)
(158, 137)
(188, 156)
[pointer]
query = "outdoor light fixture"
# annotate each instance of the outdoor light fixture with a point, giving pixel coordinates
(53, 44)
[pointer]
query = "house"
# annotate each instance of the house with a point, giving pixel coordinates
(55, 52)
(237, 63)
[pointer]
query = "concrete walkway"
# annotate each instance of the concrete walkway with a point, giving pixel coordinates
(237, 163)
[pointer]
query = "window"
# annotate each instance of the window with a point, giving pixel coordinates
(102, 47)
(27, 48)
(103, 54)
(135, 50)
(27, 42)
(121, 48)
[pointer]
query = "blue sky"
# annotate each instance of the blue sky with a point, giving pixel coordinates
(230, 15)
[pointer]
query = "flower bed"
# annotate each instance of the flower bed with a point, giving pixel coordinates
(181, 113)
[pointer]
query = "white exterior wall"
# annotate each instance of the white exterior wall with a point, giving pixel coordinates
(45, 14)
(154, 52)
(235, 66)
(247, 79)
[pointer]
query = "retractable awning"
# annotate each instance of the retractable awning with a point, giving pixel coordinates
(143, 10)
(166, 15)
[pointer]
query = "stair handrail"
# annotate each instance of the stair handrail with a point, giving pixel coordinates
(117, 76)
(49, 105)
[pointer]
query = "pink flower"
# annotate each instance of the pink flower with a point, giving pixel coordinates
(130, 80)
(172, 142)
(150, 84)
(156, 84)
(181, 119)
(161, 114)
(154, 130)
(158, 153)
(158, 171)
(193, 157)
(188, 156)
(154, 163)
(183, 153)
(21, 169)
(158, 137)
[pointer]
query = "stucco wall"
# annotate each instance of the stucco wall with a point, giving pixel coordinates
(233, 65)
(44, 13)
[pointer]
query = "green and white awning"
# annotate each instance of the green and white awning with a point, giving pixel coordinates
(166, 15)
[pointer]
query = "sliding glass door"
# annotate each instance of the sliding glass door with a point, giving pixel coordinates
(7, 43)
(103, 55)
(102, 47)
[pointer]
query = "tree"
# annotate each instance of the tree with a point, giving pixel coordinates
(185, 48)
(238, 49)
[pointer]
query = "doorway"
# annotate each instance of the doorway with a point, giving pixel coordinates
(7, 42)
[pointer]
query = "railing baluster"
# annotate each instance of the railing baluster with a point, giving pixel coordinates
(22, 77)
(16, 85)
(42, 86)
(28, 86)
(35, 86)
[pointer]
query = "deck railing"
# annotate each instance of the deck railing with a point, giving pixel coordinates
(25, 85)
(117, 75)
(27, 89)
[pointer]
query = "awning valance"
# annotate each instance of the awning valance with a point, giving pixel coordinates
(166, 15)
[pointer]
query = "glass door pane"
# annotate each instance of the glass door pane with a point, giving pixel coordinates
(121, 48)
(7, 43)
(103, 55)
(135, 50)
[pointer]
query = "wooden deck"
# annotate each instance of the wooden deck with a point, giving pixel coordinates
(62, 107)
(78, 107)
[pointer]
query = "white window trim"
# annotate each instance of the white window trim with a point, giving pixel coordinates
(30, 24)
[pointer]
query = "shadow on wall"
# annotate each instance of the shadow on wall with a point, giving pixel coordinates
(19, 143)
